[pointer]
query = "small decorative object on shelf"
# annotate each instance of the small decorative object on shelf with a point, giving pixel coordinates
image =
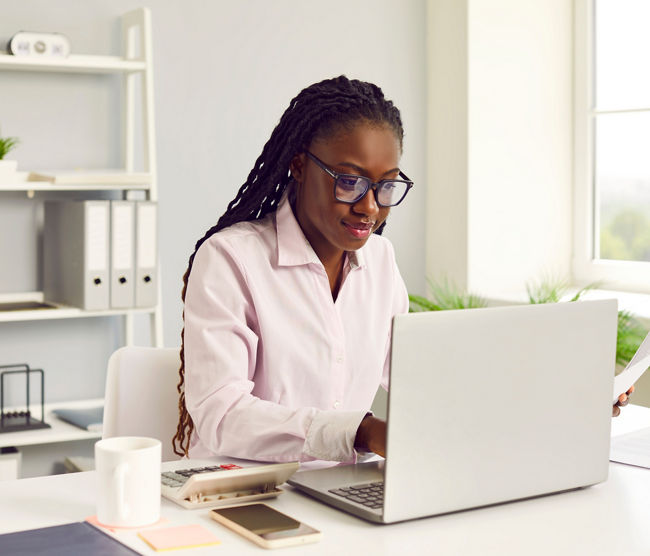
(20, 420)
(26, 43)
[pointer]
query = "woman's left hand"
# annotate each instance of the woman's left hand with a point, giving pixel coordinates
(623, 400)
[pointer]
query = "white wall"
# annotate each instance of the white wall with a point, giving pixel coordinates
(520, 141)
(224, 73)
(216, 111)
(447, 239)
(506, 182)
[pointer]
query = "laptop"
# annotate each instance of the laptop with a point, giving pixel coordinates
(485, 406)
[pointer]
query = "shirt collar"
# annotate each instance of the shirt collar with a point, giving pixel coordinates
(293, 247)
(356, 259)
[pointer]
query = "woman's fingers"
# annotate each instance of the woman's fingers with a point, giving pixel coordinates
(622, 401)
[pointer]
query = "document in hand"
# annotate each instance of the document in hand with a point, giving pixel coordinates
(635, 368)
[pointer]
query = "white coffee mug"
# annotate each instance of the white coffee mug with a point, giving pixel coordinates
(128, 475)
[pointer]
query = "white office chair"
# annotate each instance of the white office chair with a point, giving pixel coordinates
(141, 397)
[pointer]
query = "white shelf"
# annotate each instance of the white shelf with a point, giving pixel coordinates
(59, 312)
(73, 63)
(66, 313)
(60, 431)
(28, 186)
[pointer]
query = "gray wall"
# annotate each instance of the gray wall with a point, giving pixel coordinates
(224, 73)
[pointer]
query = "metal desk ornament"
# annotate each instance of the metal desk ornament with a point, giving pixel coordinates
(20, 420)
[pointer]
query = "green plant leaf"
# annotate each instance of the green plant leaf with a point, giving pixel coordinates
(419, 304)
(551, 290)
(629, 336)
(547, 290)
(448, 295)
(583, 290)
(445, 295)
(7, 144)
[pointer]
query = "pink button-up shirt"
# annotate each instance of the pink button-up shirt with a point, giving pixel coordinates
(275, 370)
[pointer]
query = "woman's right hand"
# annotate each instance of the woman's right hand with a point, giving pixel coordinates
(371, 436)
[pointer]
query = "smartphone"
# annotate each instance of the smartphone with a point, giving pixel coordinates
(265, 526)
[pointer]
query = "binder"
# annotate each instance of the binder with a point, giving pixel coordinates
(146, 258)
(122, 254)
(76, 253)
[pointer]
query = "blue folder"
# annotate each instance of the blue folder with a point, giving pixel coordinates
(63, 540)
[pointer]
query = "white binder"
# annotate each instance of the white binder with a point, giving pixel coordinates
(122, 254)
(146, 258)
(76, 253)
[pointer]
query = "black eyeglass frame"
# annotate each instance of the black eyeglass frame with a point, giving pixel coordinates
(374, 185)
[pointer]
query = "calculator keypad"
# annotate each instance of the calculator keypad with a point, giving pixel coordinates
(179, 477)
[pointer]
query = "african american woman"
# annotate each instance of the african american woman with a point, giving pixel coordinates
(289, 298)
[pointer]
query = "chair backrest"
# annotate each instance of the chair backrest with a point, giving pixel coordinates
(141, 397)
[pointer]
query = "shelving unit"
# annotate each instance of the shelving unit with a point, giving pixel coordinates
(136, 27)
(133, 65)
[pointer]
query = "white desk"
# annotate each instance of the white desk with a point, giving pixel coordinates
(611, 518)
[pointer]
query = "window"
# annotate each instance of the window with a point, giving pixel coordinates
(612, 143)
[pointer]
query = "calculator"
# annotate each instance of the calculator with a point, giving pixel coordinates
(224, 484)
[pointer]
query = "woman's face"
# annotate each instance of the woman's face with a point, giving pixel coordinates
(370, 150)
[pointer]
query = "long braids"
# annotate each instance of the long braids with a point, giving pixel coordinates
(316, 112)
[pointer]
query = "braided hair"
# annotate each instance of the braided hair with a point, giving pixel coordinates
(317, 112)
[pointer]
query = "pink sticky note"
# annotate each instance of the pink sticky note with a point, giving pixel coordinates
(114, 528)
(183, 536)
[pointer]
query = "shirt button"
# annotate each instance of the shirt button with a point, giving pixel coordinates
(339, 359)
(336, 404)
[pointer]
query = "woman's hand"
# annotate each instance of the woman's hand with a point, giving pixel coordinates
(371, 436)
(623, 400)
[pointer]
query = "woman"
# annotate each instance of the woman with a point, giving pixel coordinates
(289, 298)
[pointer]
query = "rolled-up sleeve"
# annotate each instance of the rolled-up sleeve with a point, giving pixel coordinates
(221, 351)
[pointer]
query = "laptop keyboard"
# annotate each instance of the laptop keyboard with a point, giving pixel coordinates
(178, 478)
(370, 494)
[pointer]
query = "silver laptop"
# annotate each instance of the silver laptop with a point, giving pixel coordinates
(486, 406)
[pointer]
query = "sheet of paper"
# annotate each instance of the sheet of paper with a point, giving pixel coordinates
(632, 448)
(635, 368)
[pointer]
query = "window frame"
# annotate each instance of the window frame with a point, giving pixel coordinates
(620, 275)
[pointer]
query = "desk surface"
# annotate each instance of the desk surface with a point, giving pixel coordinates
(610, 518)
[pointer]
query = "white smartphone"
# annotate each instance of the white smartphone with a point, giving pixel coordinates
(265, 526)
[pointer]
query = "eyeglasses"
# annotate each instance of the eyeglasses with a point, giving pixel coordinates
(349, 188)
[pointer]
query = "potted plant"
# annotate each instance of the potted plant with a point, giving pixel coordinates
(8, 168)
